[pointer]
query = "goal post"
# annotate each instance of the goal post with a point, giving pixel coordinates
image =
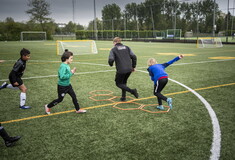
(78, 47)
(33, 36)
(209, 42)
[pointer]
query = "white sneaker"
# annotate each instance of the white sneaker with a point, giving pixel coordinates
(47, 110)
(81, 111)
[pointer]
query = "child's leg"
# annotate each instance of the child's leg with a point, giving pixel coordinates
(22, 94)
(158, 87)
(56, 101)
(12, 87)
(74, 98)
(61, 90)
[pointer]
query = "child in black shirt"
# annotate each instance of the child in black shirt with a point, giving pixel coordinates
(15, 77)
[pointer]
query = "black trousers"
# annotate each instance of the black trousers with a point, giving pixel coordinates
(121, 81)
(62, 91)
(158, 87)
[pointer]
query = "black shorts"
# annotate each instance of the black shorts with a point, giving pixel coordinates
(18, 80)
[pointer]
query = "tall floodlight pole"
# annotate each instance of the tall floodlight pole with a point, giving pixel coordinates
(112, 28)
(73, 1)
(233, 18)
(227, 23)
(175, 20)
(125, 24)
(197, 18)
(214, 26)
(95, 24)
(152, 21)
(137, 24)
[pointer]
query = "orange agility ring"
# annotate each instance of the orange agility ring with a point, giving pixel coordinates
(160, 111)
(138, 105)
(109, 97)
(106, 95)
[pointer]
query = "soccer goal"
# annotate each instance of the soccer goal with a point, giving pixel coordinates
(33, 36)
(209, 42)
(78, 47)
(173, 33)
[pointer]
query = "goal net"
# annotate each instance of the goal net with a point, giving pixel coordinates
(64, 37)
(209, 42)
(78, 47)
(173, 33)
(33, 36)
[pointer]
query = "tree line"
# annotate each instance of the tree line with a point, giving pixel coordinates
(151, 15)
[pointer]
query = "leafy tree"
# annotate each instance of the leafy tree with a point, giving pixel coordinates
(39, 11)
(70, 28)
(206, 16)
(80, 27)
(111, 13)
(11, 29)
(98, 23)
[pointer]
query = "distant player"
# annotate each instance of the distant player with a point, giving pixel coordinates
(9, 141)
(160, 78)
(15, 77)
(64, 85)
(125, 61)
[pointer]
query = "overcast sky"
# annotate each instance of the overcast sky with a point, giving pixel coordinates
(62, 10)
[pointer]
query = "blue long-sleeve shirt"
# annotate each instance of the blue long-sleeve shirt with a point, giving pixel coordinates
(157, 71)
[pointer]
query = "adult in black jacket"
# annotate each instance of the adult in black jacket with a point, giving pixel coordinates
(125, 61)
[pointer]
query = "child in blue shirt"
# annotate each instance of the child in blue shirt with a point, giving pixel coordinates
(160, 78)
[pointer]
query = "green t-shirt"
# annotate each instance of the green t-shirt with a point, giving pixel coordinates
(64, 75)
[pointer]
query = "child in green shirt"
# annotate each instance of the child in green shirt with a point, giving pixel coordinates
(64, 85)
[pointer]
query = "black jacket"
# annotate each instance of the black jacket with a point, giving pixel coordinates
(125, 59)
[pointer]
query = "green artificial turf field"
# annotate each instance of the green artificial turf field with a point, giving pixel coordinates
(202, 86)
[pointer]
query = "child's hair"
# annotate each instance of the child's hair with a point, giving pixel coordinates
(117, 40)
(151, 61)
(66, 55)
(24, 52)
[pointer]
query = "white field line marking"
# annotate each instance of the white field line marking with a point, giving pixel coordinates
(80, 73)
(105, 66)
(220, 60)
(179, 64)
(216, 143)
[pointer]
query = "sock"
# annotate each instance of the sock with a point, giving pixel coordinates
(22, 98)
(11, 87)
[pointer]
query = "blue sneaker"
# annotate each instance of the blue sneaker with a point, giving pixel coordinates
(169, 101)
(160, 107)
(25, 107)
(4, 85)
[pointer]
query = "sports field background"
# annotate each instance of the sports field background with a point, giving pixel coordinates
(105, 132)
